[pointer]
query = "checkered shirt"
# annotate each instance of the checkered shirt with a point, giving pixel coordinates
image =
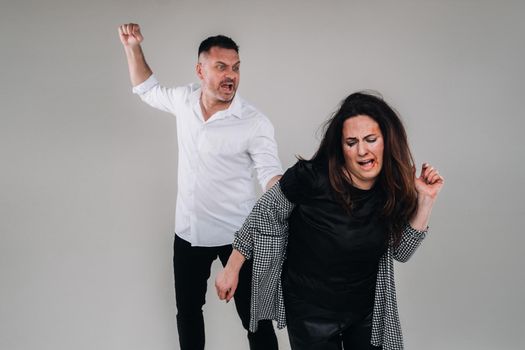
(264, 237)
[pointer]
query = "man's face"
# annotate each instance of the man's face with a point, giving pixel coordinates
(218, 70)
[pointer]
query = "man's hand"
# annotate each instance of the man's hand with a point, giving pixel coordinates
(130, 34)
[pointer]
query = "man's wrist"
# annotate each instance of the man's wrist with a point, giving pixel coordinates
(133, 50)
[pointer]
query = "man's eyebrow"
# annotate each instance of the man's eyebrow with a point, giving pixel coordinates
(224, 63)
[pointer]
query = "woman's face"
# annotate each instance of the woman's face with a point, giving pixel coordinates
(363, 146)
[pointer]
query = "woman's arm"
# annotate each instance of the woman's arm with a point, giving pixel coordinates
(269, 217)
(428, 185)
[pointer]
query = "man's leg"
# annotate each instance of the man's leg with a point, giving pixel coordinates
(191, 267)
(264, 338)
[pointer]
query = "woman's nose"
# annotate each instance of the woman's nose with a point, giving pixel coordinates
(362, 148)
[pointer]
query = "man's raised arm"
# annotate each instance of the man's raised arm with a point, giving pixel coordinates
(131, 37)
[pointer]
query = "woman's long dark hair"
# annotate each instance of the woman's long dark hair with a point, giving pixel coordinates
(397, 175)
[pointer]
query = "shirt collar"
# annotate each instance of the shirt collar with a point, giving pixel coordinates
(235, 108)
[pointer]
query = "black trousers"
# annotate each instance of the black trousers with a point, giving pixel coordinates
(311, 327)
(192, 266)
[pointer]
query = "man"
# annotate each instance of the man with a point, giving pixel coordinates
(221, 139)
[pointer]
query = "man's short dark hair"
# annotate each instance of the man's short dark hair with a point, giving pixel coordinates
(217, 41)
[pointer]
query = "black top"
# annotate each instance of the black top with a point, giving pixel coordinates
(333, 256)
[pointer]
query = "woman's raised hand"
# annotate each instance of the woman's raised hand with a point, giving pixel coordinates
(429, 182)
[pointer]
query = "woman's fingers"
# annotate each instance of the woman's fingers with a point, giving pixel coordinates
(229, 294)
(436, 178)
(430, 174)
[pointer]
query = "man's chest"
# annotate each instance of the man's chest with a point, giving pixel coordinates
(222, 137)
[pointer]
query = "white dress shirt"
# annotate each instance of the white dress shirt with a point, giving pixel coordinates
(216, 161)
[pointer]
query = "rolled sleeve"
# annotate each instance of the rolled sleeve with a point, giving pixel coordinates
(243, 243)
(146, 85)
(410, 241)
(160, 97)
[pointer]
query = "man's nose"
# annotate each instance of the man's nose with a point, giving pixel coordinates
(230, 73)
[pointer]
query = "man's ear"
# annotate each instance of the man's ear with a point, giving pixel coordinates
(199, 70)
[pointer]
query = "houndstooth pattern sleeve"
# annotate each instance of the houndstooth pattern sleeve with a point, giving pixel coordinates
(386, 326)
(243, 241)
(269, 217)
(263, 238)
(410, 241)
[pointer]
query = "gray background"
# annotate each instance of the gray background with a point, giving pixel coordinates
(88, 172)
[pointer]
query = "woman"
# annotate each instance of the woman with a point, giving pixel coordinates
(340, 219)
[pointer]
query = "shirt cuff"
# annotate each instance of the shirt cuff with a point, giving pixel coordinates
(412, 232)
(146, 85)
(245, 250)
